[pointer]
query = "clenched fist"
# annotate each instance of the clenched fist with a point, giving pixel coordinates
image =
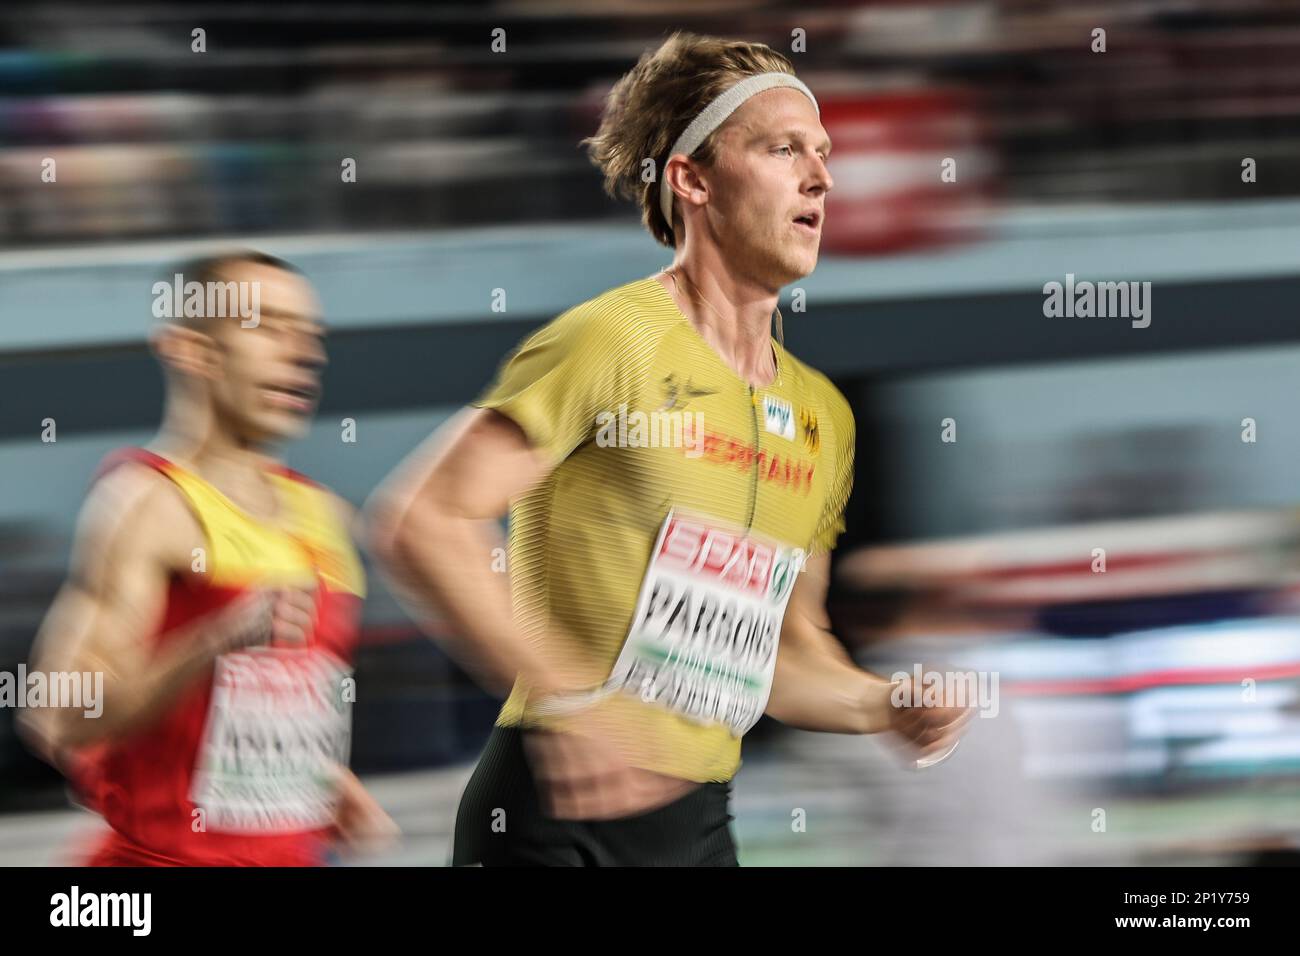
(932, 732)
(280, 617)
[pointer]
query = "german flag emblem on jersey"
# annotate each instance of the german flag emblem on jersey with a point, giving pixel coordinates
(808, 426)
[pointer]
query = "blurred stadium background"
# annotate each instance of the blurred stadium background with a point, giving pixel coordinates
(1163, 691)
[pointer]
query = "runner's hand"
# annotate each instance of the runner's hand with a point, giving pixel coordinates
(931, 732)
(582, 776)
(282, 617)
(363, 825)
(293, 617)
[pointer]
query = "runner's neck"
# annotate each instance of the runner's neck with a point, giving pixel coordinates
(742, 342)
(239, 474)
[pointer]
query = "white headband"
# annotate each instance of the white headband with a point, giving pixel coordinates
(715, 114)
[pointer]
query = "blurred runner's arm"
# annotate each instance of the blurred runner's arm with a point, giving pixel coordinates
(433, 525)
(816, 685)
(360, 822)
(130, 537)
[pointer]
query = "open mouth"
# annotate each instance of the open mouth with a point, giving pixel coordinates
(296, 397)
(809, 221)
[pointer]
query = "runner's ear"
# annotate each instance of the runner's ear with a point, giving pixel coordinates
(184, 351)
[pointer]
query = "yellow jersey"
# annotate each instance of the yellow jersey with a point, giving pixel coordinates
(641, 417)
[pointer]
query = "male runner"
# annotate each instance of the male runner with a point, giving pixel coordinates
(652, 578)
(217, 592)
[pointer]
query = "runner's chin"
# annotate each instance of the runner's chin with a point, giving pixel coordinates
(799, 259)
(283, 423)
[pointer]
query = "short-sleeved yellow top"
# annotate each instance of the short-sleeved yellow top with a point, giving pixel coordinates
(641, 416)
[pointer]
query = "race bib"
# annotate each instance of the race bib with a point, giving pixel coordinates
(278, 728)
(708, 619)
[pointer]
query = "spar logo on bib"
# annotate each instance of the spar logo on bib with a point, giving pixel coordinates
(704, 637)
(717, 555)
(730, 558)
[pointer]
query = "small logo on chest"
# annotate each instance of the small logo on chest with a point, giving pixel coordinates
(677, 395)
(778, 417)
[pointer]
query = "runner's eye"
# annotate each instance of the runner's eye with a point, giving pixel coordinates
(789, 150)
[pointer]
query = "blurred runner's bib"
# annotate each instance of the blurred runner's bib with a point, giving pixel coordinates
(278, 727)
(704, 637)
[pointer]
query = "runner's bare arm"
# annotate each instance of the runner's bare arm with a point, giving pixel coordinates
(130, 536)
(361, 823)
(816, 685)
(433, 525)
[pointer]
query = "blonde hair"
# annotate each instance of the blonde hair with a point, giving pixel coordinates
(652, 104)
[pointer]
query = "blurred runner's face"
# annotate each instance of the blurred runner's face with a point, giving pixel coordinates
(269, 379)
(767, 188)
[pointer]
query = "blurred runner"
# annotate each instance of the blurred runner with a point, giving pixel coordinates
(670, 469)
(217, 592)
